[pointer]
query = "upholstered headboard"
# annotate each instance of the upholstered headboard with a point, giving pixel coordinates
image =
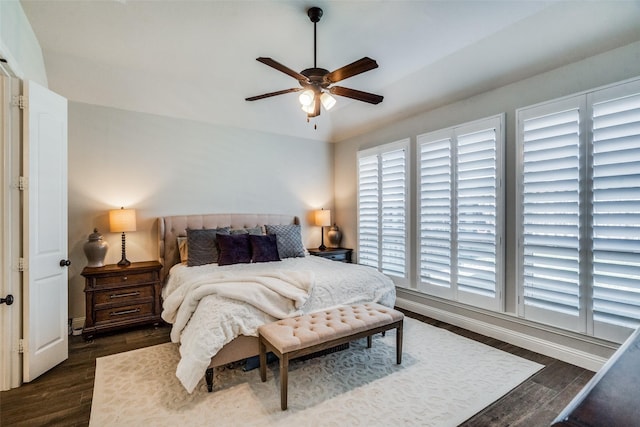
(170, 227)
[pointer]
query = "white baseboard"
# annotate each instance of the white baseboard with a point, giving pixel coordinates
(548, 348)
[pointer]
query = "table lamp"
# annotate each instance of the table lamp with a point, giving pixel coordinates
(323, 219)
(120, 221)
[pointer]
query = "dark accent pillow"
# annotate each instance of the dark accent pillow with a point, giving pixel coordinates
(289, 240)
(264, 248)
(234, 249)
(202, 247)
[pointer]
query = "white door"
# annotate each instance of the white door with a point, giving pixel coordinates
(45, 231)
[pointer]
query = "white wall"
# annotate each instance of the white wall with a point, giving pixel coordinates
(164, 166)
(609, 67)
(19, 45)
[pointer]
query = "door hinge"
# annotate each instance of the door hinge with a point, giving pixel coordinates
(20, 264)
(22, 183)
(19, 101)
(20, 346)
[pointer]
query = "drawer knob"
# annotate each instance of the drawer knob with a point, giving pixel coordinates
(124, 277)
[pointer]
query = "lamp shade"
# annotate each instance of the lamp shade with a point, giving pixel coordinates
(323, 218)
(122, 220)
(306, 97)
(328, 101)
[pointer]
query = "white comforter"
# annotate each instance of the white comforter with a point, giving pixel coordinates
(215, 320)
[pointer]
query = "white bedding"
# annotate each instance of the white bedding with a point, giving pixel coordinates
(217, 320)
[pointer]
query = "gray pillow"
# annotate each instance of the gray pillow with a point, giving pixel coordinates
(255, 231)
(202, 246)
(288, 239)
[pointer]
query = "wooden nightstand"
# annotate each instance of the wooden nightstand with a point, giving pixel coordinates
(119, 297)
(335, 254)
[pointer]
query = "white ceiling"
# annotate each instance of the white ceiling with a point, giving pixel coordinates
(196, 59)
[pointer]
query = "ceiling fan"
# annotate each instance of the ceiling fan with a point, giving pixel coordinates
(316, 83)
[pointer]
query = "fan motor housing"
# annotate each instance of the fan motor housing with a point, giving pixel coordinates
(316, 77)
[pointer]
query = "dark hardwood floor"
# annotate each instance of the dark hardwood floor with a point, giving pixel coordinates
(62, 396)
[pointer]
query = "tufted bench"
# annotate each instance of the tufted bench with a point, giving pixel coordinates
(298, 336)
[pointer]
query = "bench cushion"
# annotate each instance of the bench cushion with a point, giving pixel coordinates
(295, 333)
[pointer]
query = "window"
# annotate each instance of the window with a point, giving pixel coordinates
(579, 219)
(460, 213)
(382, 209)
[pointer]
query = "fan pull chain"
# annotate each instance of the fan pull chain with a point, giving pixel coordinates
(315, 125)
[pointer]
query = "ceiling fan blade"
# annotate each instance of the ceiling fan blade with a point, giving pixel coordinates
(267, 95)
(278, 66)
(359, 95)
(360, 66)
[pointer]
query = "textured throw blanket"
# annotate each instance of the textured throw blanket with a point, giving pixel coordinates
(279, 294)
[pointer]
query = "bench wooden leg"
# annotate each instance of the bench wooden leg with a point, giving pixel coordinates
(208, 376)
(284, 378)
(399, 344)
(263, 359)
(369, 341)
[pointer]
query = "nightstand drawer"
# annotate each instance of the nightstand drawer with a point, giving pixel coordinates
(120, 295)
(333, 254)
(336, 257)
(115, 314)
(128, 279)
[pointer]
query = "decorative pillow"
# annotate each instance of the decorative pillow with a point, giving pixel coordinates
(182, 248)
(201, 246)
(254, 230)
(288, 238)
(264, 248)
(234, 249)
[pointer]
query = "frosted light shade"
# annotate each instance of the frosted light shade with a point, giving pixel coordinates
(306, 97)
(308, 108)
(323, 218)
(327, 100)
(122, 220)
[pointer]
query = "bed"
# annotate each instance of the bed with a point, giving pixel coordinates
(216, 328)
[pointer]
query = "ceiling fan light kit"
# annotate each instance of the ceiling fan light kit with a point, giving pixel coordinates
(316, 82)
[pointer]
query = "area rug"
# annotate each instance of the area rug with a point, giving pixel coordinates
(443, 380)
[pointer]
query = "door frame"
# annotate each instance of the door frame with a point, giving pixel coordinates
(10, 233)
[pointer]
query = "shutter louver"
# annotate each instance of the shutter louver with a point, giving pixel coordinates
(476, 198)
(551, 212)
(435, 212)
(616, 211)
(368, 203)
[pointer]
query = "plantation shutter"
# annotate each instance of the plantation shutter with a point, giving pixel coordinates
(393, 221)
(616, 213)
(460, 213)
(368, 203)
(436, 184)
(477, 202)
(382, 209)
(551, 214)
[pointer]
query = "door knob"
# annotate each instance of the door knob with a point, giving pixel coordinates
(8, 300)
(65, 263)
